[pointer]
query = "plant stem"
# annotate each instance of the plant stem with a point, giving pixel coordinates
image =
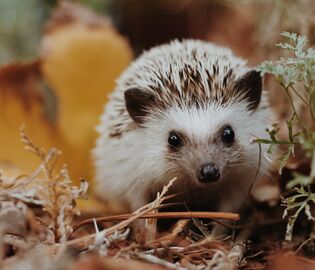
(163, 215)
(298, 94)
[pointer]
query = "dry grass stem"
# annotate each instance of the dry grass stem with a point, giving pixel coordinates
(88, 240)
(163, 215)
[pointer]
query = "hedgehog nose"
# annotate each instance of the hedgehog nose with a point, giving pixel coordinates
(209, 173)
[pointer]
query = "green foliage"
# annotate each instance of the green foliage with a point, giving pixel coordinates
(296, 71)
(296, 76)
(98, 5)
(22, 23)
(293, 139)
(297, 203)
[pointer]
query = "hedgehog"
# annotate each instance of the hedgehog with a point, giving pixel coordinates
(187, 109)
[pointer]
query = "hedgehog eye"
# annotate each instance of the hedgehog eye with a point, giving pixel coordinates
(228, 135)
(174, 139)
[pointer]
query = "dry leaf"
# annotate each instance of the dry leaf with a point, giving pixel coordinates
(96, 263)
(290, 262)
(22, 102)
(82, 57)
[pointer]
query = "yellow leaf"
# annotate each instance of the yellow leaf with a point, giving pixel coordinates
(82, 56)
(23, 102)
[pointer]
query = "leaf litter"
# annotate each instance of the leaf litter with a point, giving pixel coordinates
(42, 205)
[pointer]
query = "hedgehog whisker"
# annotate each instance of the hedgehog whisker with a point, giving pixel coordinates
(241, 164)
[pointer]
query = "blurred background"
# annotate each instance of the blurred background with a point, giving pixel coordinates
(248, 26)
(59, 60)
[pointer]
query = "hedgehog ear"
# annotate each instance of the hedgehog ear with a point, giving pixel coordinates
(251, 85)
(137, 103)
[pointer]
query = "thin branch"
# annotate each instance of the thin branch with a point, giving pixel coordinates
(299, 95)
(163, 215)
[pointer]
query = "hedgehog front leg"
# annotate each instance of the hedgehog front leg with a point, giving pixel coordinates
(235, 256)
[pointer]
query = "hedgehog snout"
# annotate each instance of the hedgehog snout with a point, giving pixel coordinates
(209, 173)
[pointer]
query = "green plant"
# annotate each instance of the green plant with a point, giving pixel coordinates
(296, 76)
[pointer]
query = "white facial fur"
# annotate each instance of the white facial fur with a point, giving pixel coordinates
(203, 144)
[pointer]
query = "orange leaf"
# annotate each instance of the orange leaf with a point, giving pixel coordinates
(22, 101)
(82, 57)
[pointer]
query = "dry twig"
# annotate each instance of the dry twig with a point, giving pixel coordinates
(163, 215)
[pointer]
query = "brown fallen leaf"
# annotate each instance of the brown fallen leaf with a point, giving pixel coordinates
(96, 263)
(290, 262)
